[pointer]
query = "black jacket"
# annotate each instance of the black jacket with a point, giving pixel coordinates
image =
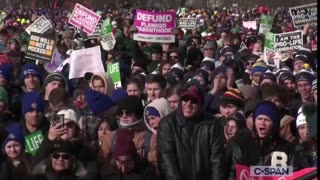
(190, 151)
(247, 149)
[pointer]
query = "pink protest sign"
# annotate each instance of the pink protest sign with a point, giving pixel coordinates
(154, 27)
(84, 19)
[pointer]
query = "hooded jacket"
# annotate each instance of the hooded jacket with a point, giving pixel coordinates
(163, 107)
(108, 84)
(190, 149)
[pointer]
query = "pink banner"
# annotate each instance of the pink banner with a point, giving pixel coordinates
(243, 173)
(84, 19)
(154, 27)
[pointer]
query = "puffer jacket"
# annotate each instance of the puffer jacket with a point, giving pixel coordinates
(190, 155)
(246, 148)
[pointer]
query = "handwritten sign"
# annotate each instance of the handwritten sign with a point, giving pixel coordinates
(85, 60)
(154, 27)
(187, 23)
(96, 32)
(84, 19)
(40, 25)
(108, 41)
(301, 15)
(33, 141)
(40, 47)
(114, 72)
(265, 24)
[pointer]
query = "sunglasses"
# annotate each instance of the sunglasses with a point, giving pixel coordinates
(208, 49)
(63, 156)
(250, 63)
(191, 99)
(174, 57)
(122, 112)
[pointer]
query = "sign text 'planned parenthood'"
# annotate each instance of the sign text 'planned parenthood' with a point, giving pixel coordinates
(154, 27)
(84, 19)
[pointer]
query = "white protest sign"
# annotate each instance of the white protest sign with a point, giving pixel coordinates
(288, 41)
(85, 60)
(187, 23)
(250, 24)
(40, 25)
(108, 41)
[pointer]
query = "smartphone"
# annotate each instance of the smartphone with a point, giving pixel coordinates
(58, 119)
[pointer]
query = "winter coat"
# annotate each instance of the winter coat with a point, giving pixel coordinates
(143, 171)
(247, 149)
(190, 152)
(9, 172)
(109, 87)
(306, 155)
(44, 171)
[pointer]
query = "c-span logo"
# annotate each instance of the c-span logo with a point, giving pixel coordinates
(271, 171)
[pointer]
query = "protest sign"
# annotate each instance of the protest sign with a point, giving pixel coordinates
(84, 19)
(187, 23)
(106, 27)
(57, 60)
(288, 41)
(268, 46)
(40, 25)
(114, 72)
(250, 24)
(154, 26)
(33, 141)
(85, 60)
(243, 46)
(96, 32)
(265, 23)
(40, 47)
(301, 15)
(108, 41)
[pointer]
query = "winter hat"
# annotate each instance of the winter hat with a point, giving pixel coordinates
(132, 104)
(97, 101)
(286, 76)
(304, 75)
(6, 71)
(310, 111)
(314, 85)
(156, 48)
(190, 42)
(29, 69)
(66, 34)
(14, 133)
(69, 115)
(32, 101)
(177, 71)
(152, 111)
(269, 109)
(118, 95)
(4, 95)
(252, 57)
(202, 74)
(233, 96)
(208, 64)
(124, 147)
(220, 69)
(56, 77)
(193, 89)
(62, 146)
(239, 118)
(225, 49)
(268, 75)
(259, 67)
(301, 118)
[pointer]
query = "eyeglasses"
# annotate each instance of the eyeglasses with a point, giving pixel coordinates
(122, 112)
(63, 156)
(188, 98)
(174, 57)
(250, 63)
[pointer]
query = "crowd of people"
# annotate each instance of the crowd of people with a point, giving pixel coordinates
(188, 110)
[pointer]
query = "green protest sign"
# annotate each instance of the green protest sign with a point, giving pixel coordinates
(33, 141)
(114, 72)
(265, 23)
(106, 27)
(269, 40)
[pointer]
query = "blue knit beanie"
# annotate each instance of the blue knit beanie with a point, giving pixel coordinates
(305, 76)
(32, 101)
(118, 95)
(259, 67)
(97, 101)
(6, 71)
(269, 109)
(29, 69)
(15, 133)
(152, 111)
